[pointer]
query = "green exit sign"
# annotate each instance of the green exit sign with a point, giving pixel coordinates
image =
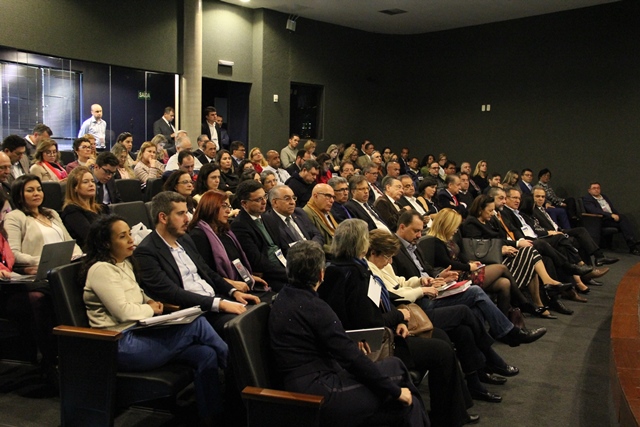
(144, 95)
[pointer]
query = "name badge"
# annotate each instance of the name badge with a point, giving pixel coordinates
(281, 257)
(374, 291)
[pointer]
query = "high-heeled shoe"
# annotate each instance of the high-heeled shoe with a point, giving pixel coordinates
(539, 312)
(583, 291)
(556, 289)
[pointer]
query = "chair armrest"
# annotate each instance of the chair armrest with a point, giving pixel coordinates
(592, 215)
(278, 396)
(88, 333)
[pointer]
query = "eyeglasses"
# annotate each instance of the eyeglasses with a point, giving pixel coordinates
(258, 199)
(226, 206)
(340, 190)
(327, 195)
(50, 152)
(388, 258)
(107, 171)
(186, 182)
(287, 198)
(85, 147)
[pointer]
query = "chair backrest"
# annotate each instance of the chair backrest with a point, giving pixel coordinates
(67, 295)
(129, 190)
(427, 247)
(154, 186)
(67, 157)
(133, 212)
(53, 195)
(249, 348)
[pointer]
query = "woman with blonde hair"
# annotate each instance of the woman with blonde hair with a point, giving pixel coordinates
(124, 169)
(80, 208)
(257, 159)
(333, 152)
(510, 178)
(148, 165)
(480, 175)
(310, 147)
(47, 165)
(351, 154)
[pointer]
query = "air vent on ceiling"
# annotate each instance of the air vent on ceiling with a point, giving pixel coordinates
(393, 11)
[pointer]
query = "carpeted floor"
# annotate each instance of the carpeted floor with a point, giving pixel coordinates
(563, 380)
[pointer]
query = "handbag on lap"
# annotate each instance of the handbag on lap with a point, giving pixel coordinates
(488, 251)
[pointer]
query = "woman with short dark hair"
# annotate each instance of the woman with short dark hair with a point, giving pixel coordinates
(315, 355)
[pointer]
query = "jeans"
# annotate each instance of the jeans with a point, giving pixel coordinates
(482, 306)
(196, 344)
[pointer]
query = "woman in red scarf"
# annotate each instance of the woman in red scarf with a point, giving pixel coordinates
(47, 162)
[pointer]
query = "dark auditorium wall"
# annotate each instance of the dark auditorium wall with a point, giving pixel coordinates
(136, 34)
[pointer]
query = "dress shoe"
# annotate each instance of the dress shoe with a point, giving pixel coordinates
(472, 419)
(557, 306)
(540, 313)
(556, 289)
(487, 378)
(507, 371)
(517, 336)
(596, 273)
(579, 270)
(593, 282)
(485, 395)
(573, 296)
(604, 260)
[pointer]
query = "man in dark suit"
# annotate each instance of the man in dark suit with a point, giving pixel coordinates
(302, 184)
(371, 172)
(257, 238)
(208, 152)
(292, 223)
(526, 181)
(224, 135)
(585, 243)
(387, 206)
(104, 175)
(164, 126)
(238, 152)
(172, 270)
(359, 206)
(210, 126)
(16, 147)
(597, 203)
(341, 191)
(447, 197)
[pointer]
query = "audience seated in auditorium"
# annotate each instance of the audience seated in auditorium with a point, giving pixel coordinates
(367, 150)
(274, 165)
(124, 169)
(40, 132)
(126, 139)
(347, 170)
(115, 301)
(5, 174)
(495, 181)
(480, 175)
(104, 172)
(340, 188)
(183, 143)
(257, 159)
(289, 153)
(351, 155)
(324, 170)
(182, 183)
(46, 164)
(318, 210)
(555, 205)
(408, 199)
(302, 184)
(465, 195)
(229, 178)
(238, 151)
(426, 196)
(359, 206)
(80, 209)
(82, 151)
(208, 154)
(333, 151)
(447, 197)
(310, 148)
(208, 179)
(15, 147)
(387, 206)
(172, 270)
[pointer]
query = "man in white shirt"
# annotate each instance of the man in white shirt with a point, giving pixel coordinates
(182, 143)
(273, 159)
(95, 126)
(210, 126)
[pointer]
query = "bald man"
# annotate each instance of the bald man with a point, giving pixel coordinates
(318, 209)
(95, 126)
(182, 143)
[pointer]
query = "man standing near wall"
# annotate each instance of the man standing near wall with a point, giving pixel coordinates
(40, 132)
(95, 126)
(164, 126)
(224, 136)
(210, 126)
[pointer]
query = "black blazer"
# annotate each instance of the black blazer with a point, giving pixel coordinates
(542, 220)
(512, 221)
(387, 211)
(110, 186)
(285, 236)
(256, 247)
(445, 200)
(160, 276)
(338, 212)
(358, 212)
(592, 206)
(301, 189)
(474, 229)
(207, 131)
(160, 127)
(404, 266)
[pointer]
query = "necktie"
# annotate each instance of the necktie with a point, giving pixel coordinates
(297, 235)
(264, 231)
(455, 200)
(371, 211)
(546, 215)
(279, 177)
(509, 232)
(346, 211)
(100, 193)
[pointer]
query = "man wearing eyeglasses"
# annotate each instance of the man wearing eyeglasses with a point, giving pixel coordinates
(104, 174)
(319, 212)
(258, 238)
(291, 222)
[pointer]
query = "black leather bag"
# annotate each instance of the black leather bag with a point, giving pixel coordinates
(488, 251)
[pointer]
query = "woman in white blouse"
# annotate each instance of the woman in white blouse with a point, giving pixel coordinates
(31, 226)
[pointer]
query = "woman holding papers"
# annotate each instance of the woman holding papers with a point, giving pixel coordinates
(494, 278)
(115, 301)
(217, 244)
(314, 355)
(361, 301)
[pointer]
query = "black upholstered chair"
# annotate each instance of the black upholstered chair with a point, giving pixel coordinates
(133, 212)
(129, 190)
(254, 372)
(593, 223)
(427, 247)
(53, 195)
(91, 388)
(154, 186)
(67, 157)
